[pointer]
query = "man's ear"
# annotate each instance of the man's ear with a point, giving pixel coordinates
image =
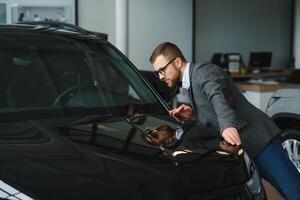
(179, 62)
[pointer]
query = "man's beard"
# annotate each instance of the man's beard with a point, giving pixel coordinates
(173, 84)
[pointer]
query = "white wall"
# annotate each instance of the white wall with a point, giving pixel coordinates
(154, 21)
(244, 26)
(15, 3)
(149, 23)
(98, 15)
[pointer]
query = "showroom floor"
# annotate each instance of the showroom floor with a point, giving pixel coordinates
(272, 193)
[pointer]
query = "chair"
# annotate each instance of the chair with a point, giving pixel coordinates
(293, 77)
(28, 88)
(217, 59)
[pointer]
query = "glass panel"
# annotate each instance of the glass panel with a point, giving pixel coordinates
(70, 75)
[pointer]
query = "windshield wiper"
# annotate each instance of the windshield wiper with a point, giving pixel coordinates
(90, 119)
(140, 118)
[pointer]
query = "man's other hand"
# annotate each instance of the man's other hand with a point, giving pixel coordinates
(225, 146)
(231, 136)
(183, 113)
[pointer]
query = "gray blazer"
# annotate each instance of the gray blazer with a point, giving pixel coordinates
(219, 104)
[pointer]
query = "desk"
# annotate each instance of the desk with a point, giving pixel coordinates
(274, 73)
(259, 94)
(261, 87)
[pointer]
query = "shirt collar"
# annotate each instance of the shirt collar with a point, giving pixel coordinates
(178, 133)
(186, 77)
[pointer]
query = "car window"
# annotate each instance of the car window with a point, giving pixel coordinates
(70, 75)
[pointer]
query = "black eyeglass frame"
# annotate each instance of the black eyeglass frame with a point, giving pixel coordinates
(161, 71)
(152, 132)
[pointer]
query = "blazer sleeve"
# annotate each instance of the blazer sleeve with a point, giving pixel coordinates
(214, 85)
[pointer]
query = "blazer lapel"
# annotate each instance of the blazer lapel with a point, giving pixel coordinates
(191, 87)
(191, 93)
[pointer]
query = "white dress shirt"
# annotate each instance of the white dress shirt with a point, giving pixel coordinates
(186, 77)
(185, 84)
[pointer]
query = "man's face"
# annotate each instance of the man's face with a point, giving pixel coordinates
(161, 137)
(168, 70)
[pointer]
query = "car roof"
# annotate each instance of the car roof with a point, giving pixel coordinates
(46, 32)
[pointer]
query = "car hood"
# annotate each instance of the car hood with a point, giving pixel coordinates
(44, 164)
(287, 93)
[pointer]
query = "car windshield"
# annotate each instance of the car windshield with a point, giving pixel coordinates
(44, 79)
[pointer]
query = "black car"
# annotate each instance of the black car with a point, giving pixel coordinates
(72, 112)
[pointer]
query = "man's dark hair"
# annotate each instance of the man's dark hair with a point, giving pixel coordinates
(168, 50)
(165, 128)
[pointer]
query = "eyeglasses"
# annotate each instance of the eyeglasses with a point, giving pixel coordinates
(161, 71)
(152, 132)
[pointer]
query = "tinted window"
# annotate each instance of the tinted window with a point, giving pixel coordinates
(70, 75)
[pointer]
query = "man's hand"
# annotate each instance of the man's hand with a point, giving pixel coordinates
(225, 146)
(231, 136)
(183, 113)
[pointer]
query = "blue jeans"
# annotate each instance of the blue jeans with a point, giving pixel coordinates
(275, 166)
